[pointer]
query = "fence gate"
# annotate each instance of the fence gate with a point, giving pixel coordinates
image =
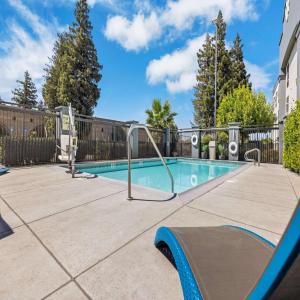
(265, 139)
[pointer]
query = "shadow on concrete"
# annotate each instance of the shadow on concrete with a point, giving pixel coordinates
(5, 229)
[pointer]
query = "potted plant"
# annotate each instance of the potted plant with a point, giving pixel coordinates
(204, 149)
(221, 151)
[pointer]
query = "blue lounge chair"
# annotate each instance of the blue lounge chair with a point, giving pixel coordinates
(3, 170)
(231, 263)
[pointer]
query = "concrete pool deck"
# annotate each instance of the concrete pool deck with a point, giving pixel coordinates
(81, 239)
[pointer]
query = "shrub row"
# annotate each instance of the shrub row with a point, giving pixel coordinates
(291, 152)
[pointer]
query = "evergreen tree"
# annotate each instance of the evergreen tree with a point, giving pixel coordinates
(238, 73)
(41, 105)
(53, 88)
(223, 60)
(74, 73)
(26, 94)
(204, 90)
(87, 69)
(231, 73)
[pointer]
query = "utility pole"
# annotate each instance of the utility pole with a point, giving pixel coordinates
(216, 73)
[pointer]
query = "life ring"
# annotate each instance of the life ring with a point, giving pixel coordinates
(194, 180)
(233, 148)
(194, 139)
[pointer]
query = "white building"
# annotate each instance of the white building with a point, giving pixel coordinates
(275, 102)
(287, 89)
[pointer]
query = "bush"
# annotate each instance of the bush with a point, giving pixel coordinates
(245, 106)
(223, 137)
(221, 149)
(291, 152)
(206, 139)
(204, 148)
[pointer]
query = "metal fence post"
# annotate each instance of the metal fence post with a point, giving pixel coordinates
(280, 141)
(166, 140)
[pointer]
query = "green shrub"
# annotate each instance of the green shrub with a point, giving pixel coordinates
(246, 106)
(291, 152)
(204, 148)
(206, 139)
(221, 149)
(223, 137)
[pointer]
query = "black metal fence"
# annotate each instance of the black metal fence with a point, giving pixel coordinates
(146, 149)
(181, 144)
(100, 139)
(27, 136)
(266, 139)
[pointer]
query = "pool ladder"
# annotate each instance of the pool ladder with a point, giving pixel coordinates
(140, 126)
(252, 159)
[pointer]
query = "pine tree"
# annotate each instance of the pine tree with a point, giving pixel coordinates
(204, 90)
(238, 73)
(41, 105)
(26, 94)
(74, 71)
(52, 88)
(223, 60)
(86, 73)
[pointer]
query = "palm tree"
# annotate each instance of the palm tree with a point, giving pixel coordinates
(160, 116)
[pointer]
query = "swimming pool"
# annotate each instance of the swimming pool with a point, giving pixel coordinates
(187, 173)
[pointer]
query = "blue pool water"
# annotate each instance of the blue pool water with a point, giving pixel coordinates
(151, 173)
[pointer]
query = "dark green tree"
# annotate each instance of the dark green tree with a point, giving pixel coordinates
(204, 90)
(223, 60)
(55, 71)
(86, 73)
(26, 93)
(74, 71)
(238, 73)
(161, 116)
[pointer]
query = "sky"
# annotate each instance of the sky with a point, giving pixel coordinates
(147, 48)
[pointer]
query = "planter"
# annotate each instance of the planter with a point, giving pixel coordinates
(204, 155)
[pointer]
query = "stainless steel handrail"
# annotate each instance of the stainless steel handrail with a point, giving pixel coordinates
(140, 126)
(251, 159)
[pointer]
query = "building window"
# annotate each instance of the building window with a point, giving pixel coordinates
(286, 10)
(287, 104)
(287, 75)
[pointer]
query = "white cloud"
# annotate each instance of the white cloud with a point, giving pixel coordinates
(23, 51)
(259, 77)
(135, 34)
(182, 13)
(177, 69)
(150, 22)
(105, 2)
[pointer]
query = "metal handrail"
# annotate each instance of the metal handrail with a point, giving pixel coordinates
(140, 126)
(252, 159)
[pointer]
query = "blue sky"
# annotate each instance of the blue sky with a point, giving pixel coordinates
(148, 48)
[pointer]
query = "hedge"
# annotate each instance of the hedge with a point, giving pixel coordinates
(291, 152)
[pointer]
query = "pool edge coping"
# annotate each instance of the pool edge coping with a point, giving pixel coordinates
(193, 192)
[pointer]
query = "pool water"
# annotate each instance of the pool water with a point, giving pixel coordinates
(187, 173)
